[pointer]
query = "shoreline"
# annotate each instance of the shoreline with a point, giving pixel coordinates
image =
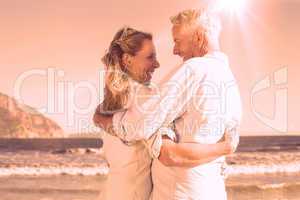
(81, 174)
(232, 171)
(79, 162)
(86, 162)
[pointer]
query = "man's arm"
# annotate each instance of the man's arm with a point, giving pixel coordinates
(140, 122)
(176, 154)
(101, 120)
(194, 154)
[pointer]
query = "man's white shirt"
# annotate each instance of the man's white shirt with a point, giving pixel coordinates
(203, 100)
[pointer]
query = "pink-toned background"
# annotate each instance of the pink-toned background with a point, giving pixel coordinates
(72, 35)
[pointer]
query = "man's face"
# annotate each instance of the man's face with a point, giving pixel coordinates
(183, 41)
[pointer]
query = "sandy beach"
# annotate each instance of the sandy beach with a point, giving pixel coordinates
(67, 187)
(79, 174)
(42, 170)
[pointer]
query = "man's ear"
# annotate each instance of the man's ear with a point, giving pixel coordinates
(200, 41)
(198, 36)
(126, 60)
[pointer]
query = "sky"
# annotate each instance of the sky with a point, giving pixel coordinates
(50, 55)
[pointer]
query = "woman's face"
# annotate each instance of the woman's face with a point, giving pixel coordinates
(142, 65)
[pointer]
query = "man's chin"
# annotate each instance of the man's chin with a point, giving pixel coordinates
(147, 82)
(185, 58)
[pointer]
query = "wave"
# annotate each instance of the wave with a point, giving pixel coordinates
(263, 169)
(232, 170)
(38, 171)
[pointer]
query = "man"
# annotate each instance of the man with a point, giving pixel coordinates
(203, 100)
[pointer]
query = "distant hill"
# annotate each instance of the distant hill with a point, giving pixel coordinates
(22, 121)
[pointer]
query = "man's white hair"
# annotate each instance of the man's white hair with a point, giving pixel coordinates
(208, 21)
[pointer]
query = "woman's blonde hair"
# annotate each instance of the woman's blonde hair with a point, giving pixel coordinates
(117, 87)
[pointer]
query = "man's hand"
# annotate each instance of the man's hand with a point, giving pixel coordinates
(166, 156)
(231, 139)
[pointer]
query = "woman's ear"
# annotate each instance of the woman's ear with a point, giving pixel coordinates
(126, 60)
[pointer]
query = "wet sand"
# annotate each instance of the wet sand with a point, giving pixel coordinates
(65, 187)
(57, 183)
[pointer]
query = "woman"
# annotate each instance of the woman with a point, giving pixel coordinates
(130, 63)
(129, 176)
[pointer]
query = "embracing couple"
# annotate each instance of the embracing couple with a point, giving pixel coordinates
(168, 141)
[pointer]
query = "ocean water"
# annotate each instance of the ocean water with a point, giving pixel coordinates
(40, 174)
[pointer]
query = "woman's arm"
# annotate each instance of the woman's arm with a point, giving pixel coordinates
(190, 154)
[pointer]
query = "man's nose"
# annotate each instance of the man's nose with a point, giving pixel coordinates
(156, 64)
(175, 50)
